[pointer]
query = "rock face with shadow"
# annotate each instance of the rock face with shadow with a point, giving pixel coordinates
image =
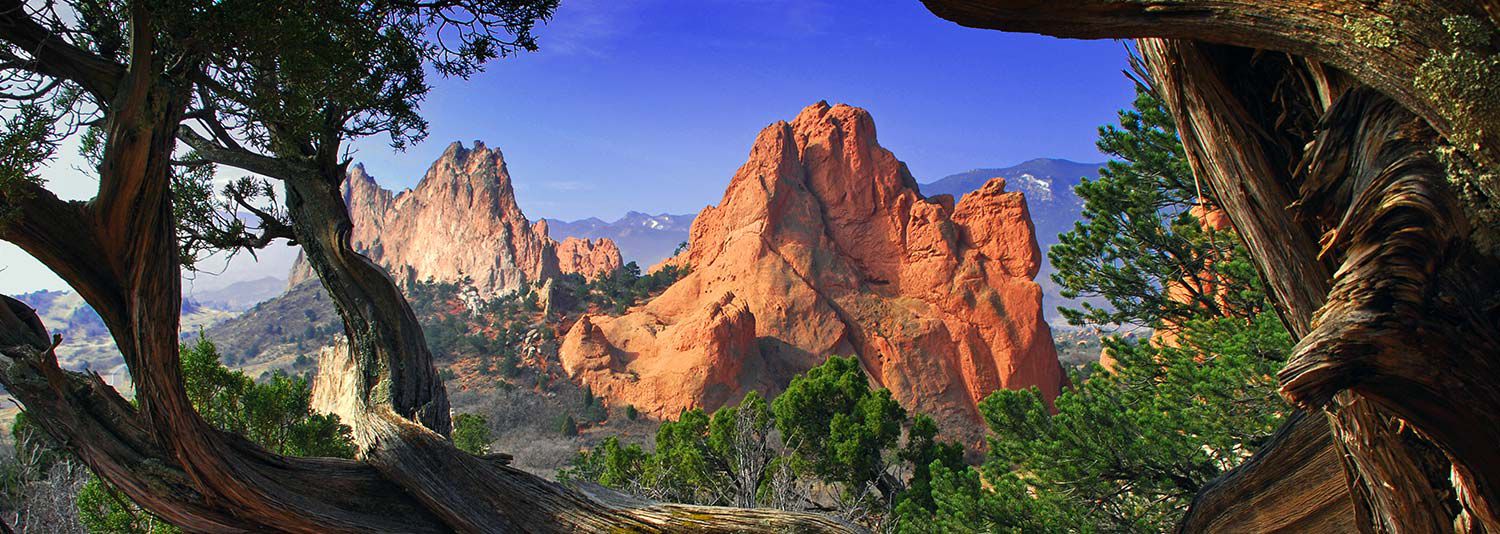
(822, 245)
(460, 220)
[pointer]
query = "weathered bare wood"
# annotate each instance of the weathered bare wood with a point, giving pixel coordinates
(1297, 486)
(80, 407)
(1229, 155)
(1231, 151)
(1405, 326)
(1377, 200)
(117, 443)
(1400, 350)
(1243, 154)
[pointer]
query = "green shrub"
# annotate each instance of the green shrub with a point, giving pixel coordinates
(471, 434)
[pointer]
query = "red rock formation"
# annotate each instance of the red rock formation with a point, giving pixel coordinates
(823, 243)
(696, 360)
(679, 261)
(591, 258)
(1206, 283)
(461, 220)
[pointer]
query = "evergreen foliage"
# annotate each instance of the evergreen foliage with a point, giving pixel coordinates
(925, 453)
(840, 426)
(1138, 235)
(1126, 450)
(782, 453)
(471, 434)
(618, 290)
(495, 330)
(276, 414)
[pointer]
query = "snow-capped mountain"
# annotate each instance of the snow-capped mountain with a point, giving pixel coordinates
(1036, 189)
(1048, 185)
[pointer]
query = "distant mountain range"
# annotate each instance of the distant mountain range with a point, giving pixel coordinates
(240, 296)
(86, 342)
(1048, 184)
(643, 238)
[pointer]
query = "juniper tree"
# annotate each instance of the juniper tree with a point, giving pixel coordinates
(161, 94)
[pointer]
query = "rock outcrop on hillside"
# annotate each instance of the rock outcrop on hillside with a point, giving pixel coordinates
(1048, 184)
(591, 258)
(335, 387)
(822, 246)
(461, 220)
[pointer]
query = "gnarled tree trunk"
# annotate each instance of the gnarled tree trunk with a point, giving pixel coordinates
(1325, 156)
(1226, 127)
(120, 252)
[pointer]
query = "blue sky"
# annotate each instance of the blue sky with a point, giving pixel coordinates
(651, 105)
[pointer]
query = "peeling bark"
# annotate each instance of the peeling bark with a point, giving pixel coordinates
(1406, 325)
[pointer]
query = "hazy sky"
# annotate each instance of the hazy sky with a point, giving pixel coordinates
(650, 105)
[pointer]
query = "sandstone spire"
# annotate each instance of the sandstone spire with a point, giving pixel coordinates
(823, 245)
(460, 220)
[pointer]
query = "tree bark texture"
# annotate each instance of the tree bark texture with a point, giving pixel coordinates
(1403, 276)
(1296, 486)
(1320, 138)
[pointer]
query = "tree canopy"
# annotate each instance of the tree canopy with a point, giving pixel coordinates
(1139, 245)
(753, 453)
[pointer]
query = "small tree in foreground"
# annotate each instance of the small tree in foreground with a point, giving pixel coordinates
(741, 455)
(840, 426)
(471, 434)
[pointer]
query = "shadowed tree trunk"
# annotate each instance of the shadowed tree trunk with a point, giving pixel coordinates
(1326, 156)
(1393, 472)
